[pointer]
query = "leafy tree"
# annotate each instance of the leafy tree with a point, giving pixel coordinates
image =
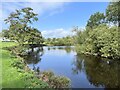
(5, 34)
(34, 36)
(95, 20)
(20, 28)
(113, 13)
(102, 41)
(65, 41)
(98, 38)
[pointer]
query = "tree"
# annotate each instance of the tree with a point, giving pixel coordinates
(95, 20)
(5, 34)
(20, 28)
(102, 41)
(34, 36)
(113, 13)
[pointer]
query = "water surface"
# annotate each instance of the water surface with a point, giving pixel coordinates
(83, 71)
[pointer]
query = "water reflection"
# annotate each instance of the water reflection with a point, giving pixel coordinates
(34, 55)
(83, 71)
(98, 72)
(68, 49)
(30, 54)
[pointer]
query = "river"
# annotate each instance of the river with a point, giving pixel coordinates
(83, 71)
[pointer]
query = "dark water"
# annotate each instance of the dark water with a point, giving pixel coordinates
(83, 71)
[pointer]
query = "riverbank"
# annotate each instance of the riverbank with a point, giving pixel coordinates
(13, 77)
(81, 50)
(23, 77)
(10, 75)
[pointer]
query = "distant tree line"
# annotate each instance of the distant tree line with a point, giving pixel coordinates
(65, 41)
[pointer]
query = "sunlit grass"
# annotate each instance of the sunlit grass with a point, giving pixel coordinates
(10, 75)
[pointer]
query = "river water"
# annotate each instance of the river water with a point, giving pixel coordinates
(83, 71)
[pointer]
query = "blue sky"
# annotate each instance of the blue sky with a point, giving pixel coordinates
(56, 19)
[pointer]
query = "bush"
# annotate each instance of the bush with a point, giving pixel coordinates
(59, 82)
(55, 81)
(18, 64)
(32, 81)
(102, 41)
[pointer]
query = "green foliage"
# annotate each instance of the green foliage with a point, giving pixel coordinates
(20, 29)
(98, 38)
(15, 68)
(59, 82)
(47, 73)
(113, 13)
(55, 81)
(102, 41)
(18, 64)
(95, 19)
(10, 75)
(33, 82)
(5, 34)
(65, 41)
(33, 36)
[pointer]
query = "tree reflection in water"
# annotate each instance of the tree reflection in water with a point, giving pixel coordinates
(78, 65)
(33, 55)
(98, 73)
(68, 49)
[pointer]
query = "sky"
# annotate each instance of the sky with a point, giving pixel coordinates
(56, 19)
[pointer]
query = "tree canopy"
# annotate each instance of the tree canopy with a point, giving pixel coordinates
(100, 37)
(113, 13)
(20, 29)
(95, 20)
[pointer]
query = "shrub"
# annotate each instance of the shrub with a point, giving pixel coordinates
(55, 81)
(102, 40)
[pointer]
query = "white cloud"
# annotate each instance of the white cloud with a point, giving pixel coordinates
(51, 8)
(38, 7)
(57, 33)
(43, 7)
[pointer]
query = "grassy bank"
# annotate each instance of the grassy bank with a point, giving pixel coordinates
(11, 76)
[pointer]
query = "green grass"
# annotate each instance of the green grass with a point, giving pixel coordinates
(10, 75)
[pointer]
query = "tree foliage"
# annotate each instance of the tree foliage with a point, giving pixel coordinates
(96, 19)
(102, 41)
(65, 41)
(34, 36)
(113, 13)
(99, 38)
(19, 27)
